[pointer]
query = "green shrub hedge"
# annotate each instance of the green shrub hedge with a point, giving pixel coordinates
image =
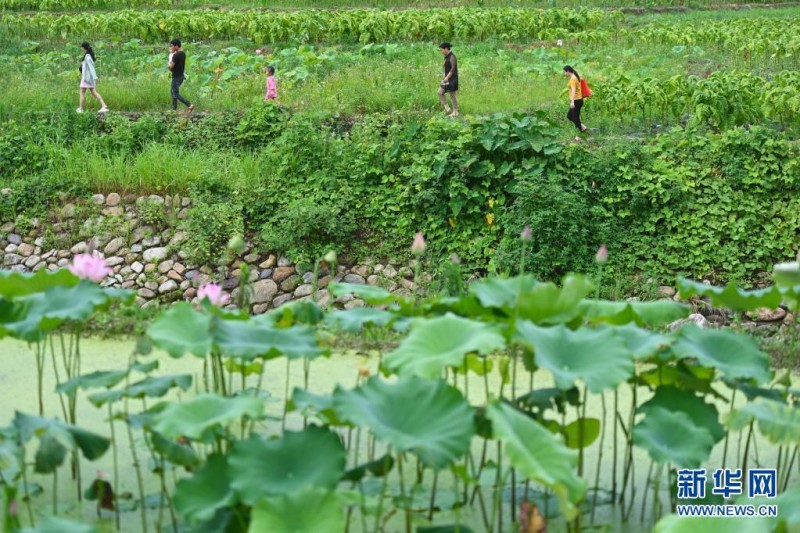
(717, 205)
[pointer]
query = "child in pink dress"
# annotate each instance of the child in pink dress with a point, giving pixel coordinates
(272, 86)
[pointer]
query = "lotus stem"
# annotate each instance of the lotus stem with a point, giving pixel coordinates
(647, 484)
(286, 395)
(55, 491)
(599, 457)
(614, 459)
(789, 469)
(406, 510)
(727, 435)
(115, 458)
(25, 484)
(747, 446)
(379, 512)
(40, 376)
(433, 495)
(58, 380)
(135, 457)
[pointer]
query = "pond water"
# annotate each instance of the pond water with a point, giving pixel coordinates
(18, 392)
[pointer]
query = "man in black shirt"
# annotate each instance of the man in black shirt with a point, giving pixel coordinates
(177, 64)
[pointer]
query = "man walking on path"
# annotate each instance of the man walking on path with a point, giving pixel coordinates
(450, 81)
(177, 64)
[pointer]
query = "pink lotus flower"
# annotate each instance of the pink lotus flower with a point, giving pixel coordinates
(13, 509)
(526, 234)
(258, 51)
(602, 255)
(418, 246)
(214, 293)
(89, 266)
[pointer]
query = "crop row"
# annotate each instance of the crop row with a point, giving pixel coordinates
(752, 37)
(314, 25)
(722, 100)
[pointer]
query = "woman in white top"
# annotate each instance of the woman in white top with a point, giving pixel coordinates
(89, 78)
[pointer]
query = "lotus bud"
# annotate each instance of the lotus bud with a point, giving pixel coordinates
(418, 246)
(455, 259)
(89, 266)
(330, 257)
(236, 244)
(214, 293)
(13, 508)
(602, 255)
(102, 474)
(559, 43)
(258, 51)
(526, 234)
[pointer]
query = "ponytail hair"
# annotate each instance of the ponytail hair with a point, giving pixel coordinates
(572, 71)
(86, 46)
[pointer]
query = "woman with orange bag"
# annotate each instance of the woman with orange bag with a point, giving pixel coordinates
(575, 99)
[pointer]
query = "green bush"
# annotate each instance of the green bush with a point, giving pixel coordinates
(307, 228)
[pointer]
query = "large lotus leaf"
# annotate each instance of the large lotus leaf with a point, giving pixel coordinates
(642, 342)
(13, 314)
(354, 319)
(673, 523)
(673, 437)
(371, 294)
(779, 422)
(734, 355)
(54, 524)
(545, 303)
(317, 405)
(501, 293)
(49, 309)
(172, 451)
(314, 457)
(427, 417)
(16, 284)
(256, 338)
(193, 418)
(539, 454)
(703, 414)
(100, 378)
(149, 387)
(182, 329)
(91, 445)
(731, 297)
(310, 511)
(581, 433)
(296, 312)
(199, 497)
(437, 343)
(640, 313)
(54, 443)
(597, 356)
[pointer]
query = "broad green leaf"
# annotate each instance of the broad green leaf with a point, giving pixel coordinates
(182, 329)
(312, 458)
(640, 313)
(550, 398)
(673, 437)
(149, 387)
(581, 433)
(179, 454)
(437, 343)
(539, 454)
(56, 433)
(427, 417)
(731, 297)
(354, 320)
(733, 355)
(317, 405)
(672, 399)
(501, 293)
(378, 468)
(193, 418)
(643, 343)
(54, 524)
(16, 284)
(598, 357)
(199, 497)
(48, 310)
(53, 447)
(255, 338)
(310, 511)
(100, 378)
(547, 304)
(673, 523)
(371, 294)
(779, 422)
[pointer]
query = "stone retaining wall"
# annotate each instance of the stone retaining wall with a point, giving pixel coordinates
(152, 263)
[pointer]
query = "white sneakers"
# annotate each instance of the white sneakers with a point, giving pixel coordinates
(103, 109)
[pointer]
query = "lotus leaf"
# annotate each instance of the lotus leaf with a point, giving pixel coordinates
(673, 437)
(733, 355)
(194, 418)
(310, 511)
(779, 422)
(198, 498)
(182, 329)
